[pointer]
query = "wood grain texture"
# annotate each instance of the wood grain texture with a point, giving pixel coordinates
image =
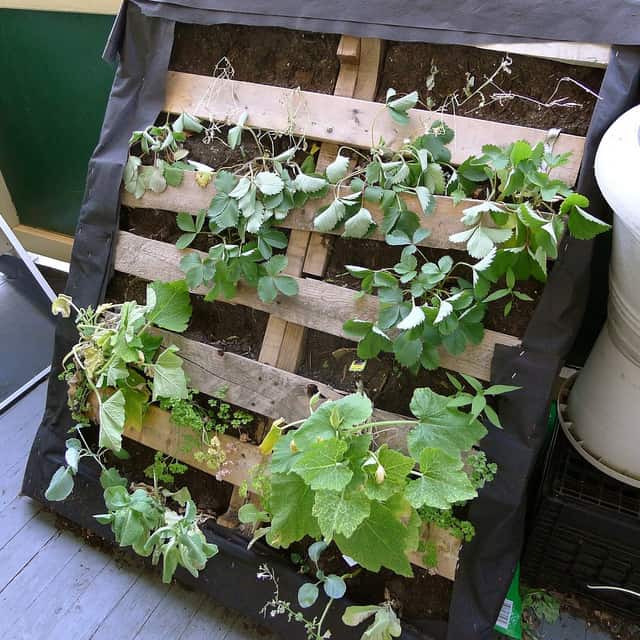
(160, 434)
(352, 120)
(318, 305)
(443, 222)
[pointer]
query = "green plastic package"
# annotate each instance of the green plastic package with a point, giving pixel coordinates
(509, 622)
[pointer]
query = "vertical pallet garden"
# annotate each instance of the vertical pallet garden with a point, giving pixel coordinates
(278, 378)
(270, 386)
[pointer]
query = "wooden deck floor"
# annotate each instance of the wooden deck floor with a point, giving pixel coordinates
(54, 586)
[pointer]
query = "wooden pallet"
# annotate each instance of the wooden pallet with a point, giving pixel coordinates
(270, 385)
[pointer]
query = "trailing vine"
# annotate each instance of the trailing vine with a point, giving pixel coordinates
(119, 368)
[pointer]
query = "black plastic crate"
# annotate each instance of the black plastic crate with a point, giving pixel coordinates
(585, 531)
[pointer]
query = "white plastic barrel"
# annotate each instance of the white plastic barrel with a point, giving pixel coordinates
(604, 405)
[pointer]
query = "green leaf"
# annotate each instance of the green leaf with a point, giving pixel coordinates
(267, 290)
(291, 505)
(340, 511)
(307, 595)
(491, 414)
(443, 483)
(61, 485)
(415, 318)
(250, 514)
(135, 406)
(111, 478)
(385, 625)
(185, 222)
(173, 175)
(269, 183)
(286, 285)
(382, 540)
(441, 426)
(338, 169)
(309, 184)
(347, 412)
(407, 350)
(316, 549)
(520, 150)
(321, 466)
(169, 305)
(584, 226)
(499, 389)
(334, 586)
(276, 264)
(426, 199)
(396, 468)
(169, 380)
(357, 226)
(112, 415)
(328, 219)
(353, 616)
(434, 178)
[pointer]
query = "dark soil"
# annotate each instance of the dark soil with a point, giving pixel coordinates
(279, 57)
(211, 495)
(230, 327)
(407, 66)
(424, 596)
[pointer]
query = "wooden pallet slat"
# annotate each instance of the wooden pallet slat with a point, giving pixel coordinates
(305, 113)
(159, 433)
(319, 305)
(442, 223)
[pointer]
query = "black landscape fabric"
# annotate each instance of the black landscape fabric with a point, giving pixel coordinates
(141, 42)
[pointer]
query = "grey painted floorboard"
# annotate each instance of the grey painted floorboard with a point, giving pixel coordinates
(93, 605)
(172, 615)
(35, 577)
(133, 609)
(54, 603)
(15, 516)
(24, 545)
(211, 621)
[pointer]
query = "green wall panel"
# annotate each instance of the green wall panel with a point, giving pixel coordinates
(52, 99)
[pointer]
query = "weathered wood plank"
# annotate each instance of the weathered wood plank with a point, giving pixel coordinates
(448, 547)
(84, 616)
(24, 545)
(349, 50)
(53, 603)
(34, 578)
(15, 516)
(585, 54)
(159, 433)
(252, 385)
(214, 622)
(133, 609)
(172, 616)
(318, 305)
(442, 223)
(353, 122)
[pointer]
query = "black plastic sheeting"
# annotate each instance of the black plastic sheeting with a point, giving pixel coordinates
(463, 21)
(142, 45)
